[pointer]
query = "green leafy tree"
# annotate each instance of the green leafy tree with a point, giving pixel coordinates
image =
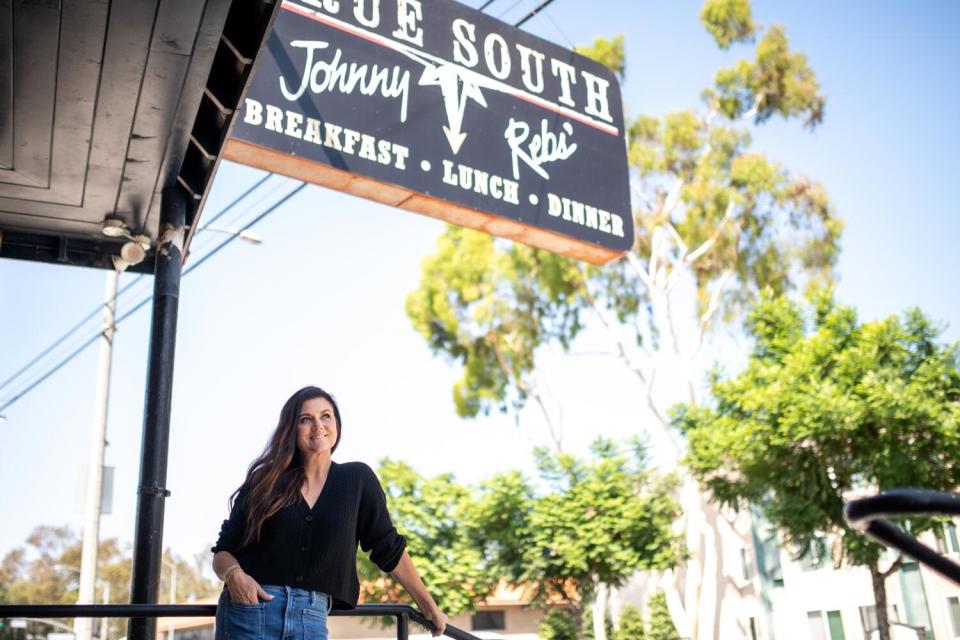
(190, 580)
(592, 523)
(588, 630)
(557, 624)
(660, 626)
(828, 406)
(631, 625)
(490, 308)
(716, 221)
(728, 21)
(434, 515)
(46, 571)
(608, 52)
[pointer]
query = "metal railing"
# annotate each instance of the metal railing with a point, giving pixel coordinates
(869, 516)
(403, 613)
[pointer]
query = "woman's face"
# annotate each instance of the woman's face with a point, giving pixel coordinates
(316, 427)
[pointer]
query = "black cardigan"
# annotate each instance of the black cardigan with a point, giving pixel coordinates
(316, 549)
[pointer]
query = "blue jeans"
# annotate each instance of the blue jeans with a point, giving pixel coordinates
(293, 614)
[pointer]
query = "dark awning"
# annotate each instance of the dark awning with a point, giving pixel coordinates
(105, 104)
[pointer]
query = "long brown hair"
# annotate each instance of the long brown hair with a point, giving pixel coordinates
(275, 477)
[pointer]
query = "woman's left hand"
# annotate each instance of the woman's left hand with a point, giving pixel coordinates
(406, 574)
(438, 618)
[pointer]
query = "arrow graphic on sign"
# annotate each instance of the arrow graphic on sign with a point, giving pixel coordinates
(456, 90)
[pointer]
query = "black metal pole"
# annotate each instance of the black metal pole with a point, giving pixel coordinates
(403, 627)
(152, 493)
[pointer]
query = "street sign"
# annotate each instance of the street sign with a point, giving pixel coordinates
(106, 490)
(434, 107)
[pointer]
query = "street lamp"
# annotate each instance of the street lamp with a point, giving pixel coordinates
(252, 238)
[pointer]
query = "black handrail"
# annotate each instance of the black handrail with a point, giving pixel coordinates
(402, 612)
(868, 515)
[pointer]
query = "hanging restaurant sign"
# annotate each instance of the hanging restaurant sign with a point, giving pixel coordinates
(434, 107)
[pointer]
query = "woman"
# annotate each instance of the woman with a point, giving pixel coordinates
(287, 553)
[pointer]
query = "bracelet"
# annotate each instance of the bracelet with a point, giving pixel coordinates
(230, 571)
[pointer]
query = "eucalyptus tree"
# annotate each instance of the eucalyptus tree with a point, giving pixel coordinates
(716, 221)
(826, 413)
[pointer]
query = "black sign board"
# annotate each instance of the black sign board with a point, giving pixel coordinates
(434, 107)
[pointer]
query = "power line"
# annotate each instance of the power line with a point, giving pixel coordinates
(236, 200)
(266, 195)
(510, 8)
(143, 302)
(53, 346)
(556, 26)
(543, 5)
(244, 228)
(125, 288)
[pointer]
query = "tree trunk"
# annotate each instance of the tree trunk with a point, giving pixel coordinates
(699, 584)
(675, 604)
(578, 620)
(599, 613)
(880, 595)
(616, 608)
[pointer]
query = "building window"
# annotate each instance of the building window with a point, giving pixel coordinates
(829, 629)
(868, 617)
(947, 539)
(815, 555)
(815, 622)
(953, 604)
(766, 550)
(835, 624)
(488, 621)
(746, 564)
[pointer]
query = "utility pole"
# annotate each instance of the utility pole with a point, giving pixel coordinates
(83, 627)
(173, 593)
(105, 622)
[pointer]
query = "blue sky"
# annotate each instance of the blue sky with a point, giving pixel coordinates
(321, 300)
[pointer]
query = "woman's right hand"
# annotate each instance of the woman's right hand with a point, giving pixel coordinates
(245, 590)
